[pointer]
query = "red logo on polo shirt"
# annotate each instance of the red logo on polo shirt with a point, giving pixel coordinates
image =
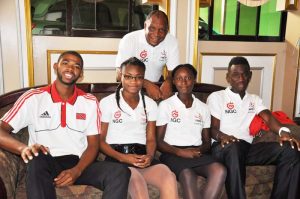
(143, 54)
(175, 116)
(174, 113)
(230, 105)
(80, 116)
(117, 114)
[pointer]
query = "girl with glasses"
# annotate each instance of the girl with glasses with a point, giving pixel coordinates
(128, 134)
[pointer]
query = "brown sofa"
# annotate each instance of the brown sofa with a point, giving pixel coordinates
(12, 169)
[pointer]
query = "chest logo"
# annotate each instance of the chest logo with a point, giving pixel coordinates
(163, 56)
(251, 107)
(117, 116)
(45, 115)
(174, 117)
(198, 118)
(230, 108)
(80, 116)
(230, 105)
(143, 56)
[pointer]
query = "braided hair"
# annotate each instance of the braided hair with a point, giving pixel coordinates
(136, 62)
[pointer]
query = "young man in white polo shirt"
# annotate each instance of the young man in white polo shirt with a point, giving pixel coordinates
(154, 46)
(63, 124)
(232, 111)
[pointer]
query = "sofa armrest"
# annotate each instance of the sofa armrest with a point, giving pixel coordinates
(9, 165)
(3, 194)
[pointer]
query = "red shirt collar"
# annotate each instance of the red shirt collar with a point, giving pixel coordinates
(56, 98)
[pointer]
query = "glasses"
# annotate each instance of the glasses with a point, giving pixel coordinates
(137, 78)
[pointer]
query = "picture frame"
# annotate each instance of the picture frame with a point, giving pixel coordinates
(291, 4)
(93, 60)
(205, 3)
(285, 5)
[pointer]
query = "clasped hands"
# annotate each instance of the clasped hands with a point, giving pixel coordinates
(140, 161)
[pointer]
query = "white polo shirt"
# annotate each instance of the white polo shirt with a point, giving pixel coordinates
(135, 44)
(184, 125)
(63, 126)
(235, 114)
(127, 126)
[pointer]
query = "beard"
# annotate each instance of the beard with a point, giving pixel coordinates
(59, 76)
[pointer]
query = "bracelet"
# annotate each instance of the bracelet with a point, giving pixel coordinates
(284, 129)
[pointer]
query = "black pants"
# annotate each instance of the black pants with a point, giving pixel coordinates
(112, 178)
(237, 155)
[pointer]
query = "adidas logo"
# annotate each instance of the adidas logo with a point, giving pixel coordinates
(45, 115)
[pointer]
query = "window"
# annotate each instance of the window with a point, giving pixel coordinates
(91, 18)
(231, 20)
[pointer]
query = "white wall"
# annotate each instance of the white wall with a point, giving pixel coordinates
(10, 45)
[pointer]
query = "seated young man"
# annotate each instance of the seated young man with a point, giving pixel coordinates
(232, 111)
(63, 124)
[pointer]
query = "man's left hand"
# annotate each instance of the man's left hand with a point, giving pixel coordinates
(287, 137)
(67, 177)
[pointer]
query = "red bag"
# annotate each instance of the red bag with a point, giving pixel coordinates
(258, 124)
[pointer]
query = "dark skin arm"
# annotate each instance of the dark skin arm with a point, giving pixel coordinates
(13, 145)
(166, 87)
(150, 145)
(274, 125)
(140, 161)
(220, 136)
(69, 176)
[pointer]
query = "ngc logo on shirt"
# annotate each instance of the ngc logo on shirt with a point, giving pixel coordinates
(174, 117)
(230, 108)
(251, 108)
(143, 56)
(117, 116)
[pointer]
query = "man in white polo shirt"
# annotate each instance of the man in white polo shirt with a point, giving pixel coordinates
(232, 111)
(154, 46)
(64, 125)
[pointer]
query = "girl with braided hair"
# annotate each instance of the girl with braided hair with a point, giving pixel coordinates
(128, 134)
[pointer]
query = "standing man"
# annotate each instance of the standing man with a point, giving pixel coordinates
(232, 111)
(154, 46)
(63, 124)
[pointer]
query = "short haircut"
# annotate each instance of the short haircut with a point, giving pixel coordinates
(190, 67)
(159, 14)
(239, 61)
(133, 61)
(70, 52)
